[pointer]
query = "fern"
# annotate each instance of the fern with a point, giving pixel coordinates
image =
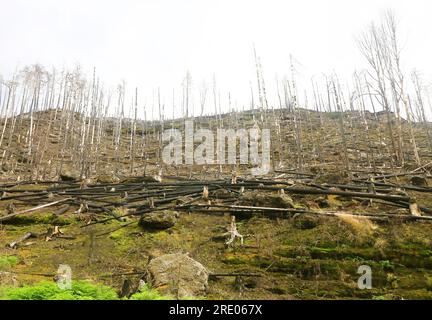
(81, 290)
(147, 293)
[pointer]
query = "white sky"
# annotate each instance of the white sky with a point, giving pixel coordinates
(153, 43)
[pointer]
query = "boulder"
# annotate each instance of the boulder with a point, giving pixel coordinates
(323, 202)
(258, 199)
(339, 177)
(159, 219)
(107, 178)
(221, 194)
(177, 275)
(305, 222)
(419, 181)
(70, 175)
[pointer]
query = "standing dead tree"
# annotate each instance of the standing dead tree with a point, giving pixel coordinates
(396, 76)
(419, 91)
(203, 96)
(374, 48)
(338, 102)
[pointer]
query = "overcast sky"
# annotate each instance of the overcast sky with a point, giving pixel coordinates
(153, 43)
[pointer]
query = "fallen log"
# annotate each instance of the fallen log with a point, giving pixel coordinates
(9, 216)
(379, 216)
(234, 274)
(28, 235)
(391, 198)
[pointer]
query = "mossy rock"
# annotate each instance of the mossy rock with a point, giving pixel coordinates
(71, 175)
(159, 220)
(323, 202)
(107, 178)
(419, 181)
(333, 178)
(305, 222)
(259, 199)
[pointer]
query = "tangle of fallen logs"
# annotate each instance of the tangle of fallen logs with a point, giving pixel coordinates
(214, 196)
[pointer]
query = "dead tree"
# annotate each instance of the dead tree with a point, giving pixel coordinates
(374, 49)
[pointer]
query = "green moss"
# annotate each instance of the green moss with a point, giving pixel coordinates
(337, 253)
(231, 259)
(49, 218)
(389, 258)
(117, 235)
(122, 240)
(55, 220)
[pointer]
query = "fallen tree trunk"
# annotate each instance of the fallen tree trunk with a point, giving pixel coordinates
(28, 235)
(379, 216)
(9, 216)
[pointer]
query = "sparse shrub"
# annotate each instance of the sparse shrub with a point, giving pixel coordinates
(387, 265)
(7, 262)
(392, 280)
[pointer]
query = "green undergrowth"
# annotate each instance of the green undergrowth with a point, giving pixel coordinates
(81, 290)
(7, 262)
(147, 293)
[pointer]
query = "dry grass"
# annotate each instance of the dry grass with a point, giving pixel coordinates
(362, 227)
(381, 244)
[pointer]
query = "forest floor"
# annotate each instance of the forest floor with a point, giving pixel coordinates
(296, 256)
(303, 257)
